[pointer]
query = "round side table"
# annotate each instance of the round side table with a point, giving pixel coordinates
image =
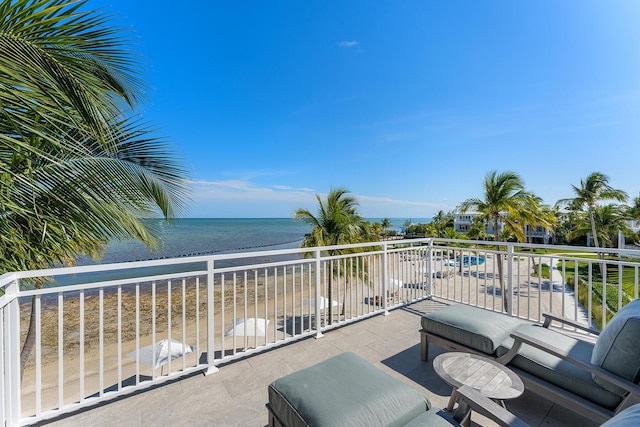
(487, 376)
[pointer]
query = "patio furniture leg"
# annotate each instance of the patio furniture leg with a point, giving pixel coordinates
(424, 347)
(463, 413)
(452, 400)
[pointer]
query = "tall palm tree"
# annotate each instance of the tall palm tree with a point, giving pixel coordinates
(505, 202)
(592, 190)
(337, 222)
(77, 168)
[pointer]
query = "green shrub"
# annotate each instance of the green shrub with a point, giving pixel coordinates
(596, 300)
(545, 271)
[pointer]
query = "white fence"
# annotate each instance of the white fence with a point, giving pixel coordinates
(115, 329)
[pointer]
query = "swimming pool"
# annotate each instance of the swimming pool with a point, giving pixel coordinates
(472, 260)
(466, 261)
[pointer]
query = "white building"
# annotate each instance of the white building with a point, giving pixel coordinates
(536, 234)
(462, 223)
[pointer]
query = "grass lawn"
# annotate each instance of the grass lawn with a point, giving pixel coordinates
(620, 286)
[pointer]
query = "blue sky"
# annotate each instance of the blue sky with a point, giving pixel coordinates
(408, 104)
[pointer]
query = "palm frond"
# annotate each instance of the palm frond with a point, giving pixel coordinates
(77, 168)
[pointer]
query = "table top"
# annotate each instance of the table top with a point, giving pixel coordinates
(489, 377)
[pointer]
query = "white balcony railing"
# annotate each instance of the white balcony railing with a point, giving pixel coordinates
(95, 328)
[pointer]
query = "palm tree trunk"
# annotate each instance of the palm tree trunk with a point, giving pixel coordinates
(505, 299)
(344, 298)
(330, 297)
(496, 234)
(596, 243)
(594, 233)
(530, 239)
(30, 339)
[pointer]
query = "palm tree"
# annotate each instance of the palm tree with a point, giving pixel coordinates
(633, 211)
(441, 221)
(477, 230)
(544, 216)
(429, 229)
(609, 220)
(337, 222)
(376, 230)
(593, 189)
(386, 224)
(77, 168)
(565, 223)
(505, 202)
(450, 233)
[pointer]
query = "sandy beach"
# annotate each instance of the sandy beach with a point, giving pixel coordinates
(283, 301)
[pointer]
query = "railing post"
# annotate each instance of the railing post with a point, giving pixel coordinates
(430, 269)
(317, 299)
(509, 289)
(211, 368)
(4, 367)
(12, 403)
(385, 277)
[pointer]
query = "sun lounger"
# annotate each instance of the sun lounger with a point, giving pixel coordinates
(597, 380)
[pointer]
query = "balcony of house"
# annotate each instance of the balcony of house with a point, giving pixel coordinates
(197, 340)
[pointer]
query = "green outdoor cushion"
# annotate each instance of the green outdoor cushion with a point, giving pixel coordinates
(617, 348)
(628, 417)
(433, 418)
(480, 329)
(557, 371)
(344, 390)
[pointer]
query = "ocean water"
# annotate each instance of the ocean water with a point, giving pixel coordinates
(204, 236)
